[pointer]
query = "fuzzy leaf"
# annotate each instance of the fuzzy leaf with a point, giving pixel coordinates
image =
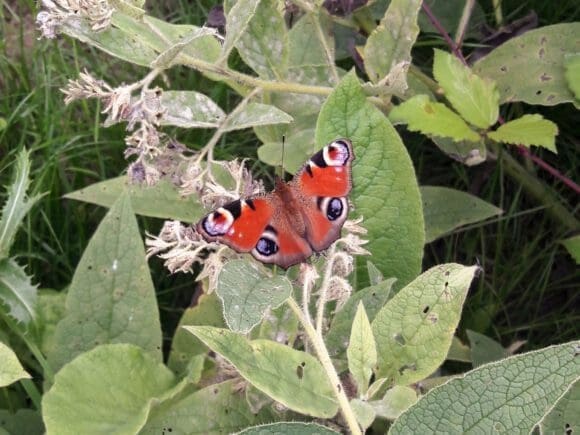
(431, 118)
(237, 20)
(413, 331)
(18, 203)
(572, 245)
(572, 74)
(294, 378)
(484, 349)
(17, 292)
(190, 109)
(364, 412)
(109, 389)
(185, 346)
(168, 57)
(527, 130)
(289, 428)
(396, 401)
(447, 209)
(111, 298)
(476, 99)
(373, 299)
(10, 370)
(304, 45)
(248, 293)
(162, 200)
(508, 396)
(565, 416)
(385, 190)
(361, 351)
(529, 68)
(391, 41)
(256, 114)
(264, 44)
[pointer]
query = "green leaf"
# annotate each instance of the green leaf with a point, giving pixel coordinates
(565, 416)
(18, 203)
(216, 409)
(373, 299)
(396, 401)
(168, 57)
(391, 41)
(385, 190)
(296, 149)
(572, 245)
(508, 396)
(237, 20)
(484, 349)
(364, 412)
(11, 370)
(459, 351)
(248, 293)
(162, 200)
(527, 130)
(264, 44)
(413, 331)
(111, 298)
(17, 292)
(361, 351)
(529, 67)
(288, 428)
(23, 422)
(476, 99)
(447, 209)
(109, 389)
(572, 74)
(294, 378)
(51, 309)
(304, 45)
(190, 109)
(431, 118)
(256, 114)
(375, 275)
(185, 346)
(449, 14)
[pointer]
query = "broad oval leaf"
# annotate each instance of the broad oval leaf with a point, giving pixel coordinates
(476, 99)
(162, 200)
(256, 114)
(432, 118)
(111, 298)
(509, 396)
(10, 370)
(289, 428)
(248, 293)
(527, 130)
(190, 109)
(294, 378)
(109, 389)
(413, 331)
(529, 68)
(447, 209)
(385, 190)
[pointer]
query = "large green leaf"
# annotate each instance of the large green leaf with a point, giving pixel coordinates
(447, 209)
(256, 114)
(289, 428)
(17, 292)
(294, 378)
(391, 41)
(215, 410)
(413, 331)
(529, 68)
(432, 118)
(111, 298)
(248, 293)
(508, 396)
(385, 188)
(10, 370)
(527, 130)
(190, 109)
(237, 20)
(109, 389)
(162, 200)
(361, 351)
(565, 416)
(476, 99)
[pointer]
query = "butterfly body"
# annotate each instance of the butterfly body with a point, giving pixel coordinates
(287, 225)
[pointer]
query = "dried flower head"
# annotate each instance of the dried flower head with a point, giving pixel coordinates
(339, 290)
(58, 13)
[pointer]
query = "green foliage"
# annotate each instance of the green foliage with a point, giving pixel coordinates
(361, 351)
(11, 370)
(484, 349)
(527, 130)
(572, 65)
(290, 428)
(572, 245)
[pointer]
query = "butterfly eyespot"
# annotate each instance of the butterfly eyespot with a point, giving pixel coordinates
(334, 209)
(336, 153)
(217, 223)
(266, 247)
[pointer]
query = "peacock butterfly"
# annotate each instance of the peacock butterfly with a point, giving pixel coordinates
(297, 218)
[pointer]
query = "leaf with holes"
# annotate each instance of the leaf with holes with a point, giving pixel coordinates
(11, 370)
(413, 331)
(111, 298)
(385, 190)
(294, 378)
(447, 209)
(527, 130)
(529, 67)
(565, 416)
(508, 396)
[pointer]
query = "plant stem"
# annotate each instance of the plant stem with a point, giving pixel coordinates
(33, 392)
(464, 21)
(324, 358)
(497, 11)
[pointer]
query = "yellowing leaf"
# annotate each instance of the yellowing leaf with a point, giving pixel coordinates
(527, 130)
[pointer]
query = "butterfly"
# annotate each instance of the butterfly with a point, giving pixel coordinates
(296, 219)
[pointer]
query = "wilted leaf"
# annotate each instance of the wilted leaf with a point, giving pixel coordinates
(10, 370)
(527, 130)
